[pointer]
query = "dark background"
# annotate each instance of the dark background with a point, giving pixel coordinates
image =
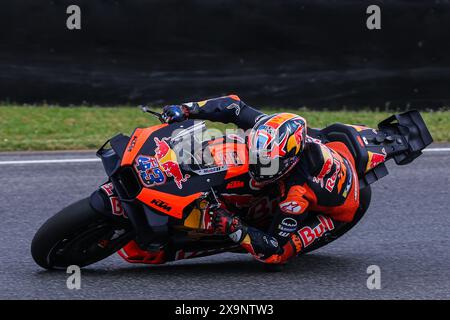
(273, 53)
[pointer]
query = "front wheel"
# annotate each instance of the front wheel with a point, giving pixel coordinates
(78, 235)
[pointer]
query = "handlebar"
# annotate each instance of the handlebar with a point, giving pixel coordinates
(158, 115)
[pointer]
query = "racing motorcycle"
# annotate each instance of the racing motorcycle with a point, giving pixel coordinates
(161, 193)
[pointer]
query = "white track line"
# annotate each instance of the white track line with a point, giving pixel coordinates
(437, 150)
(50, 161)
(81, 160)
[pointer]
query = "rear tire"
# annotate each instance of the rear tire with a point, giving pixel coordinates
(272, 268)
(78, 235)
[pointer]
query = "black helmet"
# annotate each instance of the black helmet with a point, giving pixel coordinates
(274, 144)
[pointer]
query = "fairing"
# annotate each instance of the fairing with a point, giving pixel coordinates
(154, 170)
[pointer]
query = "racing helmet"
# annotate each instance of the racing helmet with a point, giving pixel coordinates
(275, 143)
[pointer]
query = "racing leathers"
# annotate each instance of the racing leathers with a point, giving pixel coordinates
(320, 194)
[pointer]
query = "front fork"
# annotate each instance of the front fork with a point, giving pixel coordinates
(151, 228)
(152, 234)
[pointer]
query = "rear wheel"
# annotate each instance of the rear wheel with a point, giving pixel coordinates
(78, 235)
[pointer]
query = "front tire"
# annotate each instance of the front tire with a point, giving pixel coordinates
(78, 235)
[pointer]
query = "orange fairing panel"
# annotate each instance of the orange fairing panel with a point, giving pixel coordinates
(169, 204)
(136, 142)
(233, 155)
(236, 171)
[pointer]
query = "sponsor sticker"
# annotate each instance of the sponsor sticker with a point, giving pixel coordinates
(167, 160)
(108, 188)
(308, 235)
(375, 159)
(291, 207)
(286, 227)
(116, 207)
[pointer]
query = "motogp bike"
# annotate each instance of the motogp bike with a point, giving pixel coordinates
(160, 192)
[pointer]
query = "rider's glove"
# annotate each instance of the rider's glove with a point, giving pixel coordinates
(292, 248)
(175, 113)
(226, 224)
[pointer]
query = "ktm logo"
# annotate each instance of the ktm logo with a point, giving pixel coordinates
(297, 243)
(161, 204)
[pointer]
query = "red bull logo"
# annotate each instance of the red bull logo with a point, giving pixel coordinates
(328, 161)
(297, 140)
(309, 234)
(167, 161)
(278, 149)
(331, 182)
(375, 159)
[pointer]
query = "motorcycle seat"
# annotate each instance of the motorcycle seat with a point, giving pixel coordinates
(349, 136)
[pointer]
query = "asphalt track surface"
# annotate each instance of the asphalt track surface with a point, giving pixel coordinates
(406, 232)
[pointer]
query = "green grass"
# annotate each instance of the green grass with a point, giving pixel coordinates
(76, 128)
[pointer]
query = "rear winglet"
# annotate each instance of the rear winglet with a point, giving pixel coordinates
(411, 134)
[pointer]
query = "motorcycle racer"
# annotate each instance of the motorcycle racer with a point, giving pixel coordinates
(177, 192)
(317, 183)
